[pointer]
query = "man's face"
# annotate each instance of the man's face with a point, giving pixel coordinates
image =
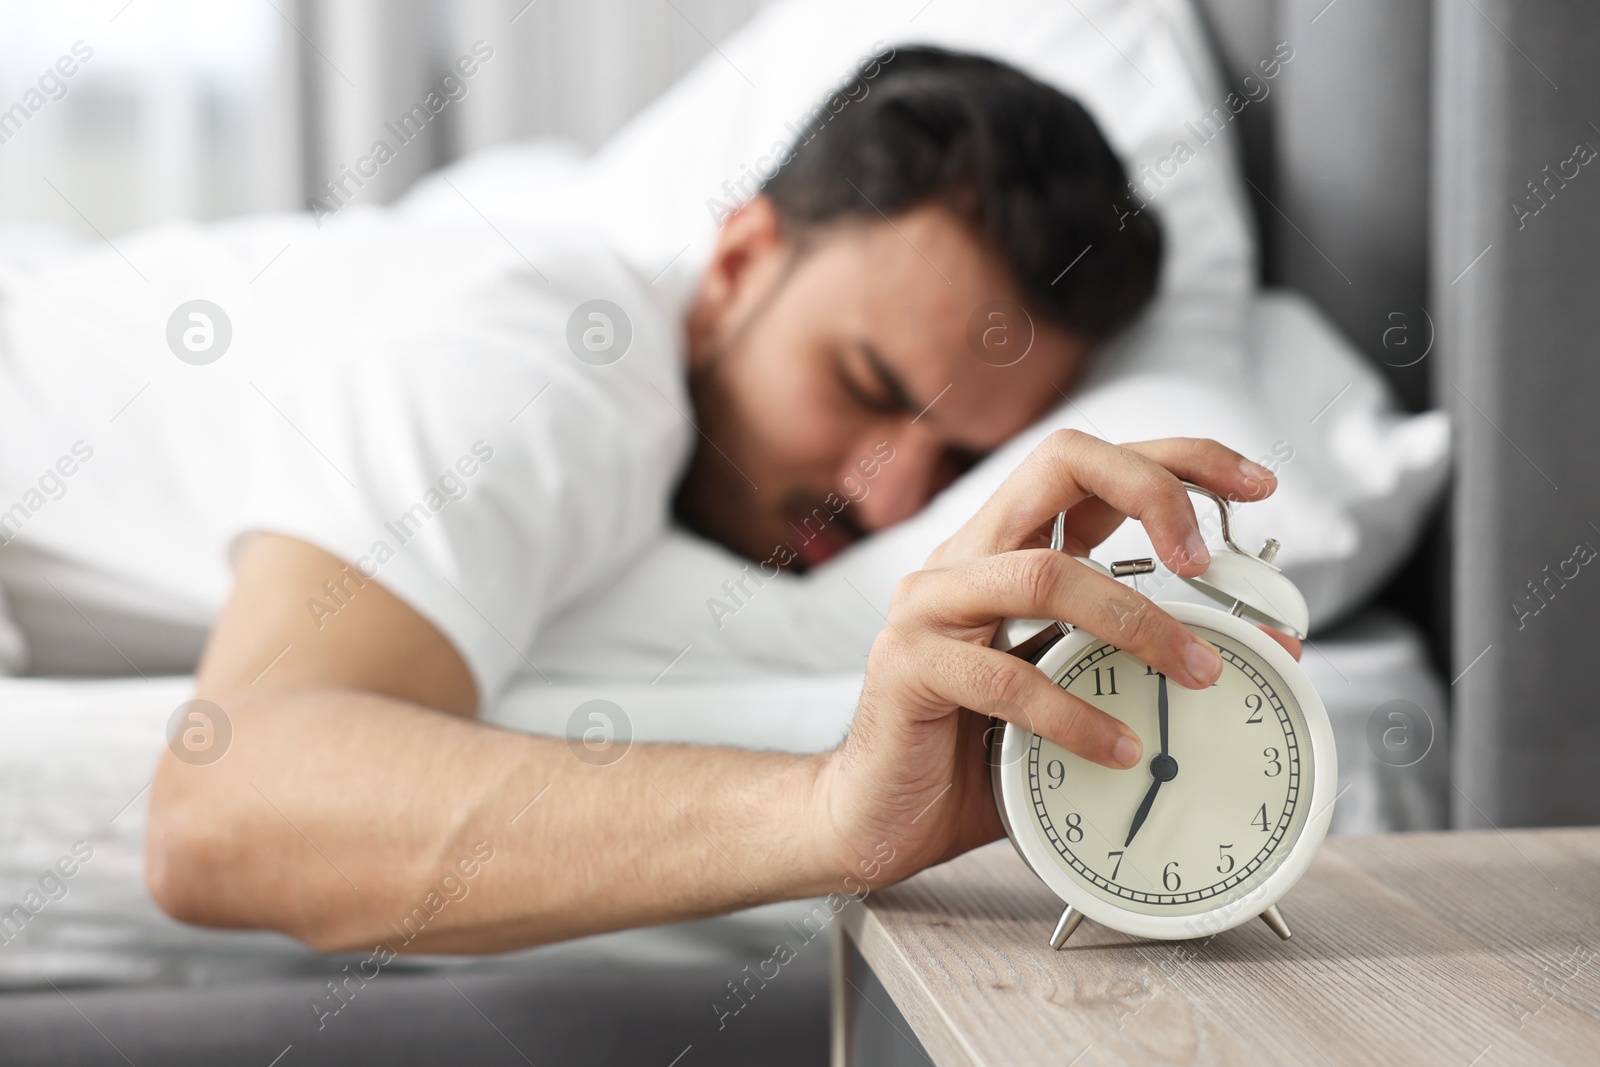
(835, 388)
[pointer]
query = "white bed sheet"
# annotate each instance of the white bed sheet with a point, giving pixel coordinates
(76, 756)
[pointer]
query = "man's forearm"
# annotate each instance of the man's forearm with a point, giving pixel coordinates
(348, 819)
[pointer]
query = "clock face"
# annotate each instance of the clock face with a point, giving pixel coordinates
(1189, 831)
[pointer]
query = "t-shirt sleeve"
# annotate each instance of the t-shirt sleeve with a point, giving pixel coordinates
(476, 468)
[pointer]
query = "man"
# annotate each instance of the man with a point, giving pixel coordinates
(415, 457)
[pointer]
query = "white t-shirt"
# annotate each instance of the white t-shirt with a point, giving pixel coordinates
(402, 394)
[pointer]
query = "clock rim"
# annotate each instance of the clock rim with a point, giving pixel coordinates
(1009, 775)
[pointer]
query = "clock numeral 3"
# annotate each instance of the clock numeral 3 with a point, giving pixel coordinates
(1253, 703)
(1260, 819)
(1272, 758)
(1169, 877)
(1111, 678)
(1074, 827)
(1224, 854)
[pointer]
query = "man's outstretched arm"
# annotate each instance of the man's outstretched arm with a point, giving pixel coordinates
(356, 780)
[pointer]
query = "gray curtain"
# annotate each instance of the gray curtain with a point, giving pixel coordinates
(1517, 226)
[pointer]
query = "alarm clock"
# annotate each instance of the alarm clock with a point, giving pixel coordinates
(1237, 789)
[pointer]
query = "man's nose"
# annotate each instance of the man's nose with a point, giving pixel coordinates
(908, 466)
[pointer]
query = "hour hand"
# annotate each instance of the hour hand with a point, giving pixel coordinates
(1144, 811)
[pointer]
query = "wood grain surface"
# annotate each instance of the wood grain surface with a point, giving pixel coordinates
(1466, 949)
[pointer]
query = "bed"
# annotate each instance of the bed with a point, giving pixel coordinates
(75, 768)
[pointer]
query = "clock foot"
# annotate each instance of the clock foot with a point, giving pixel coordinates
(1069, 922)
(1274, 918)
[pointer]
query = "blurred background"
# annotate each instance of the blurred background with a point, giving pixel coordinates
(1392, 146)
(201, 109)
(204, 109)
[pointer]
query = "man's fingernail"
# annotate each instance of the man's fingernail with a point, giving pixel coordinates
(1203, 662)
(1254, 470)
(1126, 752)
(1195, 546)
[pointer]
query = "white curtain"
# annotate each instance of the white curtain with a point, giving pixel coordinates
(209, 108)
(113, 116)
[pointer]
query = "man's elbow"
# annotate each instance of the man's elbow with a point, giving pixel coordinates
(188, 856)
(207, 864)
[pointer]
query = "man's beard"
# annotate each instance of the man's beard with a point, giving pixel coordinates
(713, 494)
(717, 499)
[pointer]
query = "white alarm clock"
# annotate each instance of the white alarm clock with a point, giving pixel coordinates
(1239, 779)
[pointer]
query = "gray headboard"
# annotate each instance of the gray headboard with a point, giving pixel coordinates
(1392, 165)
(1338, 158)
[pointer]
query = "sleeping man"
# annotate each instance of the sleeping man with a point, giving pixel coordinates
(366, 464)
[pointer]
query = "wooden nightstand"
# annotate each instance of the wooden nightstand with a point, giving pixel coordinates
(1466, 949)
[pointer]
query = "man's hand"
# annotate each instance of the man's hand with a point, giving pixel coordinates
(912, 779)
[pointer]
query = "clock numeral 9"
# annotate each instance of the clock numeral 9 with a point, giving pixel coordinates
(1253, 703)
(1074, 827)
(1169, 877)
(1057, 772)
(1272, 758)
(1223, 853)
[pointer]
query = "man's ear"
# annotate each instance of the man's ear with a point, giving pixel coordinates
(748, 259)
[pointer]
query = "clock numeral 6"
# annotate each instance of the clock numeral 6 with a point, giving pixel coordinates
(1057, 772)
(1074, 827)
(1169, 877)
(1253, 704)
(1272, 758)
(1224, 854)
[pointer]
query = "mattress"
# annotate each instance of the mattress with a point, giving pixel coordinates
(76, 758)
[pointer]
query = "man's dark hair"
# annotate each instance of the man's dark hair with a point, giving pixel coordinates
(1021, 162)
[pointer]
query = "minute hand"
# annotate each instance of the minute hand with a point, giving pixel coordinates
(1161, 709)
